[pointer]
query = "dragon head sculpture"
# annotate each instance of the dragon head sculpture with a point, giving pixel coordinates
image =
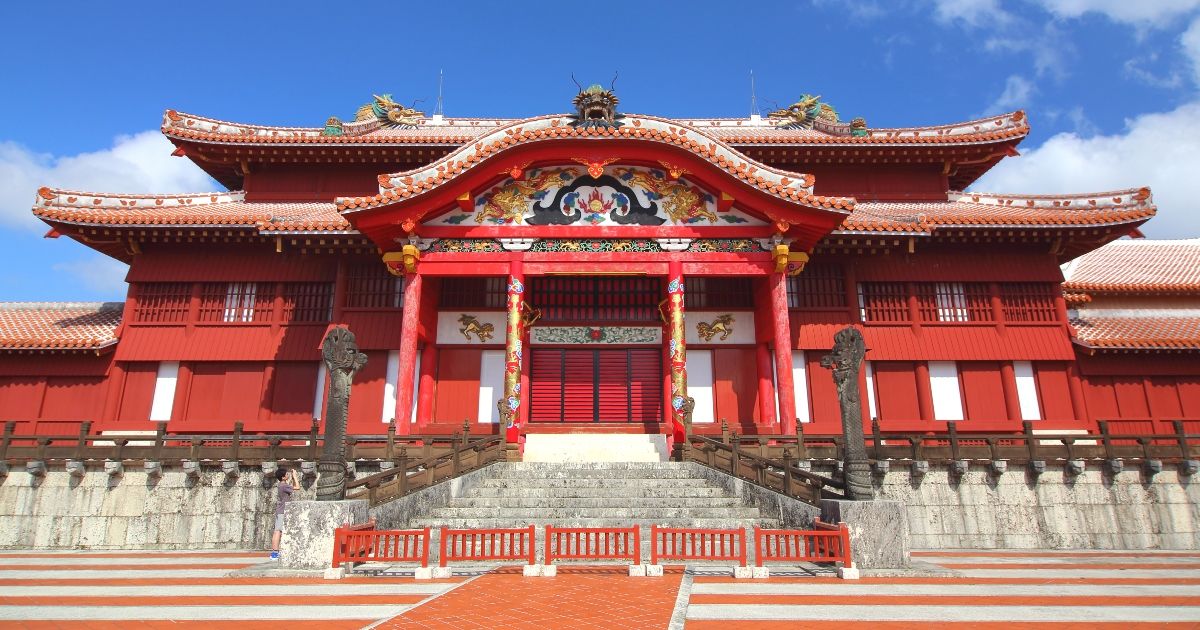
(596, 107)
(389, 113)
(802, 113)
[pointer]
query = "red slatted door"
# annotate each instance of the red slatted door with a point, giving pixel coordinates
(612, 385)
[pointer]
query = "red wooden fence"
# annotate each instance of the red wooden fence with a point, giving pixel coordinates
(363, 543)
(676, 543)
(593, 543)
(825, 543)
(487, 544)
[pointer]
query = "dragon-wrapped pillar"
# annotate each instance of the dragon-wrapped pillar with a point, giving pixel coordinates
(681, 403)
(509, 404)
(846, 360)
(342, 361)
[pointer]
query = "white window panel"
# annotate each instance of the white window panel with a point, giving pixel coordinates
(389, 386)
(1027, 394)
(799, 385)
(491, 384)
(318, 410)
(871, 389)
(947, 396)
(416, 381)
(164, 390)
(700, 385)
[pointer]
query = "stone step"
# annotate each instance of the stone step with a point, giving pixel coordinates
(592, 492)
(595, 447)
(626, 502)
(592, 482)
(490, 523)
(596, 513)
(595, 473)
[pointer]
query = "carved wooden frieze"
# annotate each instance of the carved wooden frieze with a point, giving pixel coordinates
(623, 335)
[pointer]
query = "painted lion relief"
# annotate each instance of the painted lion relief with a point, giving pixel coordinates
(608, 195)
(471, 326)
(722, 325)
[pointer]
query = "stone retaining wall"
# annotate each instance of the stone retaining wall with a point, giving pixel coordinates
(980, 510)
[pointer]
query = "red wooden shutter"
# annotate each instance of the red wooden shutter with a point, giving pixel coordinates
(579, 386)
(645, 385)
(545, 386)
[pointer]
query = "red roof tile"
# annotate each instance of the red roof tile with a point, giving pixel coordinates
(986, 210)
(225, 209)
(59, 325)
(1138, 333)
(457, 131)
(1138, 266)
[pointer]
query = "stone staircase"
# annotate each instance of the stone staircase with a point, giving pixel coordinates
(598, 494)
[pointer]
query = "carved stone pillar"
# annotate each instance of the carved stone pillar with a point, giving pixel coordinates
(509, 405)
(681, 404)
(846, 360)
(342, 361)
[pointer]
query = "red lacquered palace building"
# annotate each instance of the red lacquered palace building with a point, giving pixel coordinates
(590, 272)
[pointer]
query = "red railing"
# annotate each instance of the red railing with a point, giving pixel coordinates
(825, 543)
(363, 543)
(487, 544)
(593, 543)
(675, 543)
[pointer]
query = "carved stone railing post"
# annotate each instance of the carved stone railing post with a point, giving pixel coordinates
(342, 362)
(845, 360)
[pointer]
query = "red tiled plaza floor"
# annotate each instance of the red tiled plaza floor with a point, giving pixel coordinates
(578, 597)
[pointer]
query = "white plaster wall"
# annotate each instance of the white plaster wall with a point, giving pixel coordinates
(491, 384)
(164, 390)
(947, 396)
(700, 385)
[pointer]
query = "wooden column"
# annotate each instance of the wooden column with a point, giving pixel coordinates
(409, 323)
(677, 348)
(1078, 405)
(339, 292)
(513, 352)
(112, 399)
(766, 386)
(429, 358)
(1008, 381)
(924, 391)
(784, 387)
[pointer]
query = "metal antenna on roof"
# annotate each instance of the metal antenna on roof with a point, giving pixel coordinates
(753, 96)
(576, 82)
(613, 85)
(438, 111)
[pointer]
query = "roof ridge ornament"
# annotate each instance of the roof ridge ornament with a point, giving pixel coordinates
(810, 113)
(384, 111)
(596, 107)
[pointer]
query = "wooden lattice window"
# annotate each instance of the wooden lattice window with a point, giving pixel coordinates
(954, 301)
(372, 286)
(818, 287)
(719, 293)
(236, 302)
(307, 302)
(1028, 302)
(883, 301)
(584, 299)
(473, 292)
(162, 302)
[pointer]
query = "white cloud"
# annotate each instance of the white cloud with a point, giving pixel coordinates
(975, 13)
(141, 163)
(1016, 95)
(98, 273)
(1134, 70)
(1160, 150)
(1190, 42)
(1142, 12)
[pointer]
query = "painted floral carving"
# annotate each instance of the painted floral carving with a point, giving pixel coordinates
(596, 334)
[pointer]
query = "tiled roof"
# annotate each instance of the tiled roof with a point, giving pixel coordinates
(59, 325)
(192, 210)
(789, 186)
(985, 210)
(1138, 333)
(464, 130)
(229, 209)
(1138, 266)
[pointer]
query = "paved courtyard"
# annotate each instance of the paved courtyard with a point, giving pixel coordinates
(967, 589)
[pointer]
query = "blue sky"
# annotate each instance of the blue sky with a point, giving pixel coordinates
(1111, 86)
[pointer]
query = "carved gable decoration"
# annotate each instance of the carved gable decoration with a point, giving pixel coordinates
(597, 195)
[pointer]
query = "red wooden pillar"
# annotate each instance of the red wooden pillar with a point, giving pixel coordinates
(513, 350)
(408, 352)
(1077, 402)
(112, 400)
(766, 386)
(339, 292)
(785, 389)
(1008, 381)
(425, 393)
(924, 392)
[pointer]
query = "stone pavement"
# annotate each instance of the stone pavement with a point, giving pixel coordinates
(968, 589)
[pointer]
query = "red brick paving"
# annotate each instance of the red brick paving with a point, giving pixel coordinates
(578, 597)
